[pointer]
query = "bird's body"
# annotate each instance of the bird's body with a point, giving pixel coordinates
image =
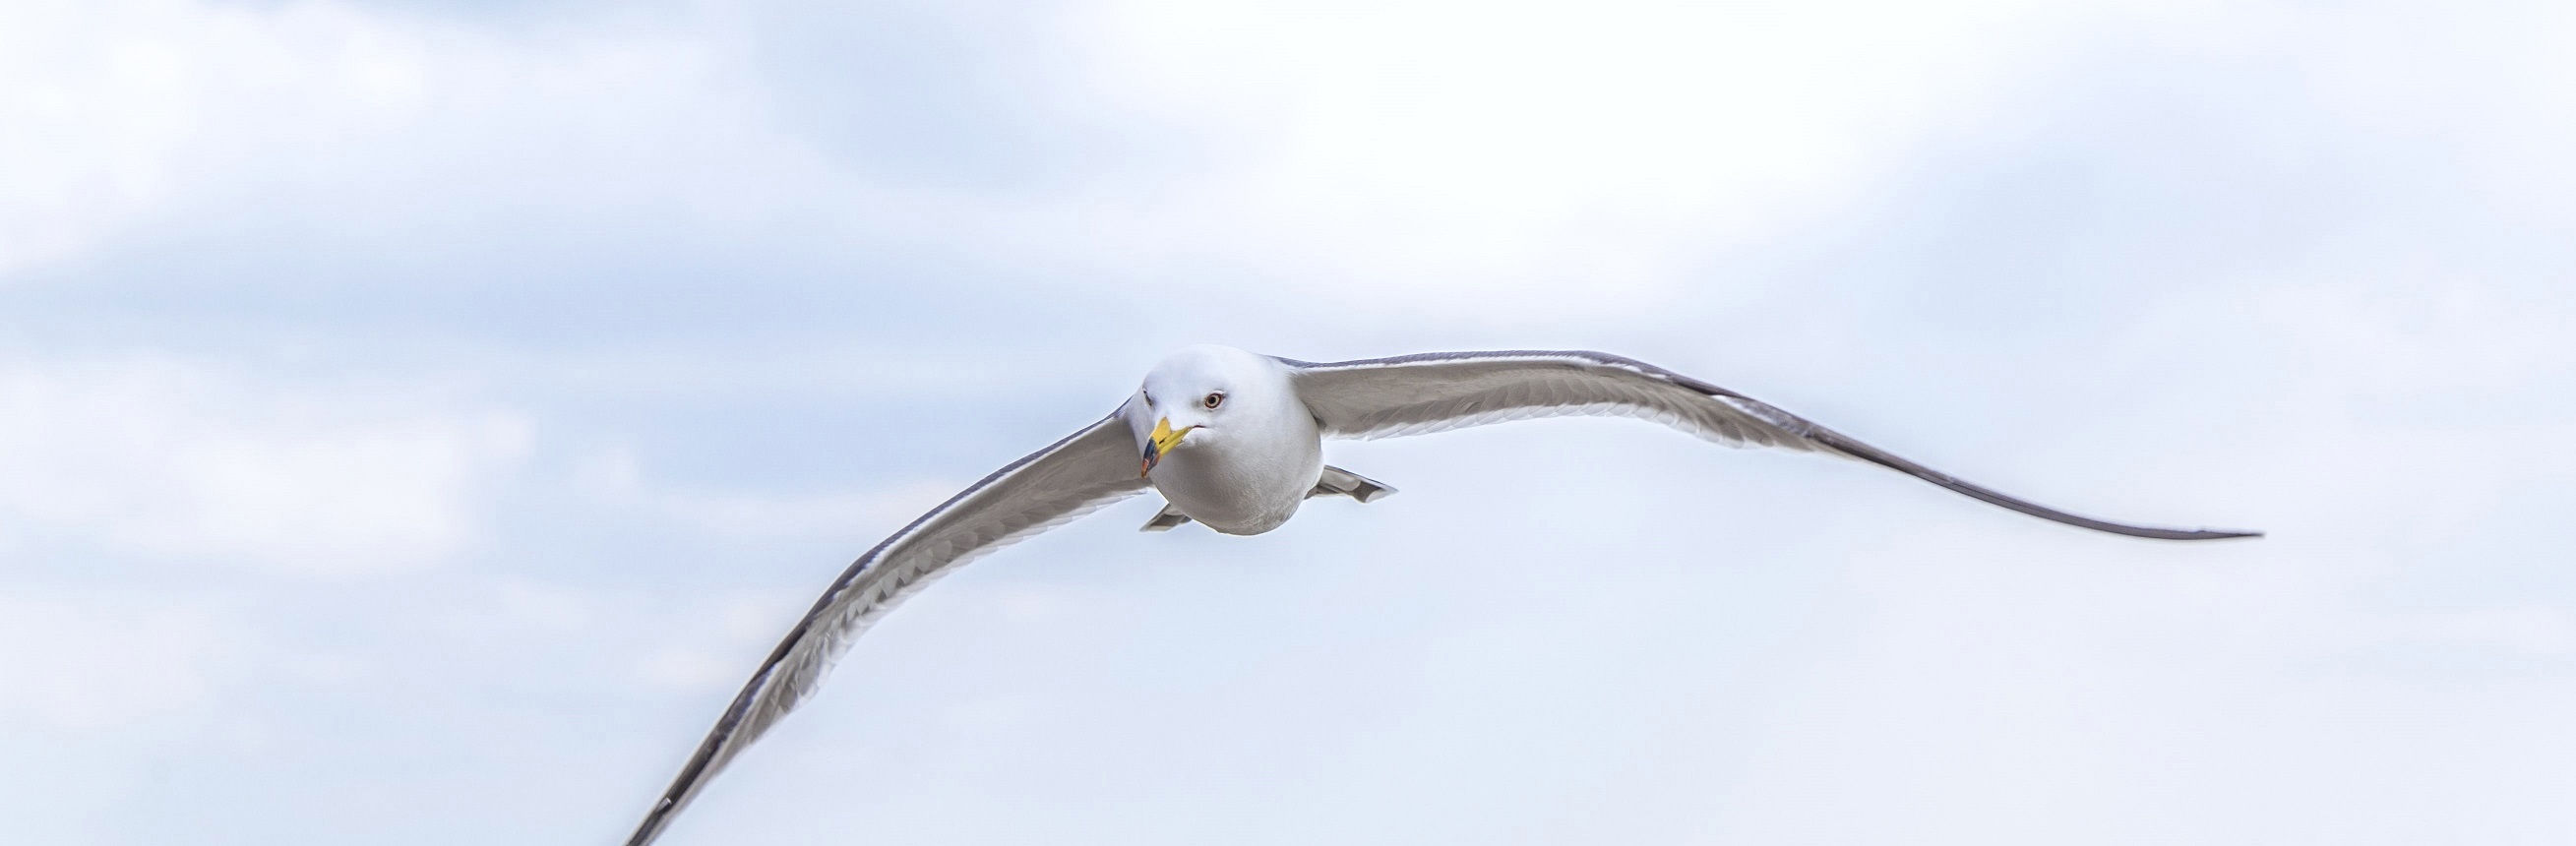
(1249, 460)
(1234, 440)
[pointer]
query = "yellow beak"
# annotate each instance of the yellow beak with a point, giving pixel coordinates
(1165, 437)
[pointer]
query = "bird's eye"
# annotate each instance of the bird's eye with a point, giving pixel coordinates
(1213, 400)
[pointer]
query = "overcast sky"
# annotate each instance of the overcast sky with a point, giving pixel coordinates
(416, 419)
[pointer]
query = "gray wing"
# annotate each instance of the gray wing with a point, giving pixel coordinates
(1075, 476)
(1434, 392)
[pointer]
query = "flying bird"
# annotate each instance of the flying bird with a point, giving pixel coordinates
(1234, 440)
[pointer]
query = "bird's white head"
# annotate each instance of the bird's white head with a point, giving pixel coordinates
(1197, 396)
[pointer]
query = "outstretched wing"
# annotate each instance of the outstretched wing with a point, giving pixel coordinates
(1075, 476)
(1434, 392)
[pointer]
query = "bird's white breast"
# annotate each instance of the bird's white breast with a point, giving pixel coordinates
(1243, 483)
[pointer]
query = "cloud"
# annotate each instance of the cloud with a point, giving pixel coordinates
(1413, 152)
(196, 463)
(123, 104)
(101, 660)
(1419, 151)
(139, 112)
(615, 475)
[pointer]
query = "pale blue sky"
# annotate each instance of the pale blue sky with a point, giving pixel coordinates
(416, 418)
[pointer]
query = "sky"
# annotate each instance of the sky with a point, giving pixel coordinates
(416, 418)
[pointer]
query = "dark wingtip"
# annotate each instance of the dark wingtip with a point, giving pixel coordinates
(1847, 446)
(652, 826)
(2135, 531)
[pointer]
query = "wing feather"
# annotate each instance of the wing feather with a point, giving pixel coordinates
(1082, 473)
(1436, 392)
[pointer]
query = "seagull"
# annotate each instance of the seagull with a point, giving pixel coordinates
(1233, 440)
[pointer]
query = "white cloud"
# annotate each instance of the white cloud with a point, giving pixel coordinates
(119, 105)
(100, 661)
(1553, 161)
(130, 110)
(1545, 156)
(616, 476)
(1410, 151)
(191, 462)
